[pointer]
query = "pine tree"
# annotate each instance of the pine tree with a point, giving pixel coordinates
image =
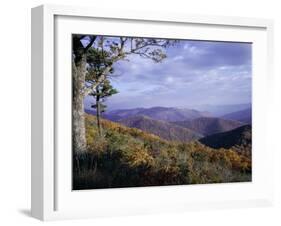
(88, 51)
(102, 91)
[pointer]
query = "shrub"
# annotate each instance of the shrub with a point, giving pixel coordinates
(130, 157)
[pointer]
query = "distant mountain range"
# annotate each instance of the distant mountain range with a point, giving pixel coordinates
(209, 125)
(165, 130)
(240, 139)
(183, 125)
(157, 113)
(220, 110)
(241, 116)
(131, 157)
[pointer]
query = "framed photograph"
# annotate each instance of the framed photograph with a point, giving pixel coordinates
(137, 112)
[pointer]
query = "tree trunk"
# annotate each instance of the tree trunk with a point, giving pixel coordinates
(98, 112)
(78, 117)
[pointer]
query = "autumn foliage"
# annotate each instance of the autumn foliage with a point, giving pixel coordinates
(126, 157)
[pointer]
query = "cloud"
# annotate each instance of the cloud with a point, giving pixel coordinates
(169, 80)
(176, 58)
(194, 72)
(193, 50)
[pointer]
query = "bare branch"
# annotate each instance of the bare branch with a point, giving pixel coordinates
(93, 38)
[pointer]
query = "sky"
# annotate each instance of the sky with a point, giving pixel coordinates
(194, 73)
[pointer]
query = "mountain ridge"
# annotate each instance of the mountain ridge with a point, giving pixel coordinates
(220, 110)
(241, 116)
(209, 125)
(163, 129)
(239, 139)
(168, 114)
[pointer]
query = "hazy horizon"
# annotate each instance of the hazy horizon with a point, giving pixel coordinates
(194, 107)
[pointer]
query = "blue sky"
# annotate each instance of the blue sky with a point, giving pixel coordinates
(194, 73)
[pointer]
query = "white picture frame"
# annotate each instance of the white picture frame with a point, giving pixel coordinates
(52, 197)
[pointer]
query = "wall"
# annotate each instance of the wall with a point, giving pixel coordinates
(15, 111)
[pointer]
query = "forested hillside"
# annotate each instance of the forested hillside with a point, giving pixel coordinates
(209, 125)
(162, 129)
(244, 116)
(168, 114)
(124, 157)
(239, 139)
